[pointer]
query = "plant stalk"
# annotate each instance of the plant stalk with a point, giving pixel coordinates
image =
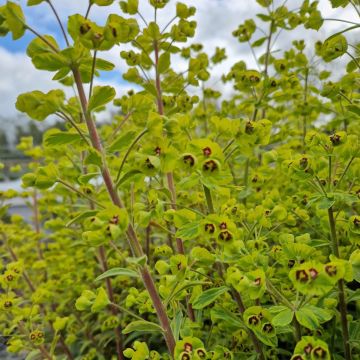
(342, 298)
(131, 234)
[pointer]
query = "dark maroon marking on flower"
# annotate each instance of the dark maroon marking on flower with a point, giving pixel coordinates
(188, 347)
(225, 235)
(210, 228)
(304, 162)
(148, 164)
(189, 160)
(331, 270)
(257, 281)
(302, 276)
(249, 128)
(84, 28)
(9, 277)
(8, 304)
(356, 221)
(207, 151)
(115, 220)
(319, 352)
(335, 139)
(223, 226)
(313, 273)
(308, 348)
(210, 165)
(253, 320)
(114, 32)
(158, 151)
(185, 357)
(268, 328)
(201, 353)
(297, 357)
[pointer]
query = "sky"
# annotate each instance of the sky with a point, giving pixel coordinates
(216, 21)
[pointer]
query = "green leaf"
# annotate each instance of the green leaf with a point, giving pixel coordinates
(334, 47)
(189, 231)
(84, 179)
(34, 2)
(83, 215)
(129, 6)
(61, 138)
(259, 42)
(142, 326)
(314, 21)
(322, 315)
(60, 323)
(102, 2)
(128, 176)
(33, 355)
(307, 318)
(100, 97)
(39, 105)
(15, 20)
(176, 324)
(354, 109)
(104, 65)
(208, 296)
(283, 318)
(101, 301)
(123, 141)
(267, 340)
(43, 56)
(223, 315)
(93, 158)
(338, 3)
(325, 203)
(164, 62)
(117, 272)
(182, 287)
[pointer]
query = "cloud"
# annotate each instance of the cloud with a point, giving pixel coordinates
(216, 20)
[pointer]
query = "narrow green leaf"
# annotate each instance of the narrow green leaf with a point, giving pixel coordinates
(123, 141)
(223, 315)
(117, 272)
(61, 138)
(142, 326)
(81, 216)
(164, 62)
(354, 109)
(208, 296)
(128, 176)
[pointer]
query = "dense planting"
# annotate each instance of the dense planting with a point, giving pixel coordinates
(187, 227)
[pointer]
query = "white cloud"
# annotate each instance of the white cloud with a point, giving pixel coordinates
(216, 21)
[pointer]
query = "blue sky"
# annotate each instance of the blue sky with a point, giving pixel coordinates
(216, 20)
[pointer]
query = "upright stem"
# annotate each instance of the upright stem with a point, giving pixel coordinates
(235, 294)
(342, 299)
(131, 234)
(305, 104)
(169, 175)
(267, 57)
(114, 310)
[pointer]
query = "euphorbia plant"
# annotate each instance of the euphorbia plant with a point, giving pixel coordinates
(229, 230)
